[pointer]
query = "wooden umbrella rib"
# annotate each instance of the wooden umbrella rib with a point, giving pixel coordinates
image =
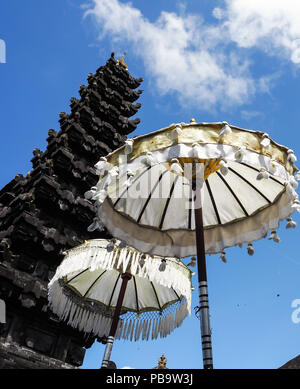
(233, 194)
(249, 183)
(158, 303)
(167, 202)
(150, 195)
(179, 299)
(134, 181)
(213, 201)
(257, 170)
(77, 275)
(96, 280)
(113, 291)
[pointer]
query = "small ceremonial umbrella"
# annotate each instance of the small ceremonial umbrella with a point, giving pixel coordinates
(228, 184)
(104, 288)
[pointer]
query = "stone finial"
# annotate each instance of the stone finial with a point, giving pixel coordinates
(162, 362)
(121, 61)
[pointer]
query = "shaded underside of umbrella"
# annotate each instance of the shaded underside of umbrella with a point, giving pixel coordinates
(86, 287)
(154, 212)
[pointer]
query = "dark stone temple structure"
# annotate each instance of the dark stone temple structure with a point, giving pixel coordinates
(292, 364)
(45, 213)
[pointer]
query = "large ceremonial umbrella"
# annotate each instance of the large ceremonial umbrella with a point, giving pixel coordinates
(228, 184)
(109, 290)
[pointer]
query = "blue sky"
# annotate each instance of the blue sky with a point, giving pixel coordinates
(232, 60)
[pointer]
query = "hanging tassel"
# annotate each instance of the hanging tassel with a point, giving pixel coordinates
(162, 266)
(96, 225)
(132, 330)
(225, 130)
(273, 167)
(114, 171)
(239, 155)
(102, 166)
(223, 257)
(296, 205)
(142, 260)
(263, 174)
(100, 197)
(126, 260)
(90, 193)
(111, 245)
(293, 182)
(265, 142)
(224, 167)
(290, 223)
(193, 262)
(274, 236)
(128, 146)
(289, 189)
(175, 167)
(195, 150)
(250, 249)
(149, 159)
(122, 244)
(129, 180)
(178, 129)
(291, 157)
(124, 329)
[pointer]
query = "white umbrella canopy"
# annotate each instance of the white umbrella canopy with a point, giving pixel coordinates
(193, 189)
(86, 286)
(144, 195)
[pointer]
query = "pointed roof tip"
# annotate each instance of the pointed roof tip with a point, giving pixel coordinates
(121, 61)
(162, 362)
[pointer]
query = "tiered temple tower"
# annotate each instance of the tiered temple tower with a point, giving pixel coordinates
(45, 213)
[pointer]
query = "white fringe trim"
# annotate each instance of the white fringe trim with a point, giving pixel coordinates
(93, 318)
(94, 255)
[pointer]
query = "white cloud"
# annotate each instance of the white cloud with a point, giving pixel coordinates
(218, 13)
(272, 25)
(182, 54)
(205, 66)
(126, 367)
(249, 115)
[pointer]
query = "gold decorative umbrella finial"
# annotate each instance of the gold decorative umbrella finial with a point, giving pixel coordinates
(121, 61)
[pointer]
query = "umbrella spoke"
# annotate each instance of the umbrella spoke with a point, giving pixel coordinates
(176, 294)
(167, 203)
(233, 194)
(213, 201)
(150, 195)
(113, 291)
(156, 296)
(133, 182)
(92, 285)
(77, 275)
(249, 183)
(257, 170)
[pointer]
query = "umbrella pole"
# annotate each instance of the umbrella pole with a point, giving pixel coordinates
(202, 282)
(110, 340)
